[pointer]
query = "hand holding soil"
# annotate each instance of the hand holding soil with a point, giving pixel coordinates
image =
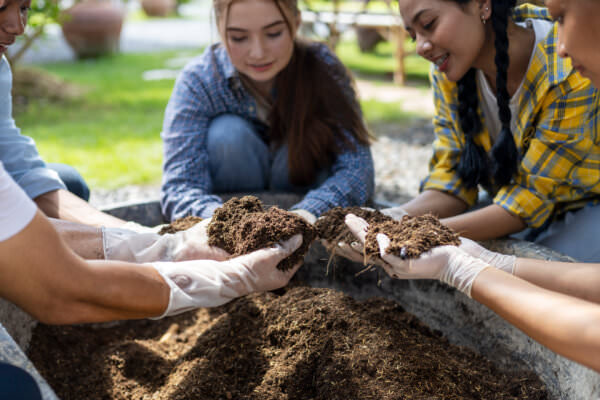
(242, 225)
(444, 262)
(335, 235)
(192, 244)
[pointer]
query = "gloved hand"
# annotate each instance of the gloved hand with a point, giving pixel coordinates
(504, 262)
(210, 283)
(191, 244)
(307, 215)
(351, 251)
(395, 212)
(448, 264)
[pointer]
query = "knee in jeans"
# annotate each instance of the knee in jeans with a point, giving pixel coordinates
(231, 136)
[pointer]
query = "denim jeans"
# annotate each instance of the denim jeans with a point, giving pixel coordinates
(72, 179)
(574, 234)
(17, 384)
(240, 161)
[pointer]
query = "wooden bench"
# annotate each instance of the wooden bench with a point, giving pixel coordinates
(390, 26)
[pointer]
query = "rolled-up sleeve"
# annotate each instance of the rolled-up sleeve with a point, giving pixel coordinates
(18, 153)
(561, 163)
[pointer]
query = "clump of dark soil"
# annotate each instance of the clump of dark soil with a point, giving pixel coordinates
(410, 237)
(180, 225)
(307, 344)
(332, 226)
(242, 225)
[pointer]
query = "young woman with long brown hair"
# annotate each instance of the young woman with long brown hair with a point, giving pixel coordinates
(264, 110)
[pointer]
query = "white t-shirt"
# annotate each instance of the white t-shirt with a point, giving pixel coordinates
(16, 208)
(489, 104)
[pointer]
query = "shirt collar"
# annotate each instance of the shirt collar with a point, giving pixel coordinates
(558, 68)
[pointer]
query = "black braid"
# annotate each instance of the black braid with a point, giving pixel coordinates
(504, 152)
(473, 165)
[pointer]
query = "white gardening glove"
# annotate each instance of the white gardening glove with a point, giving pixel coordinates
(210, 283)
(448, 264)
(306, 215)
(395, 212)
(351, 251)
(504, 262)
(191, 244)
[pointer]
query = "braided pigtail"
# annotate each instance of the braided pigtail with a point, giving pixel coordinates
(504, 152)
(473, 166)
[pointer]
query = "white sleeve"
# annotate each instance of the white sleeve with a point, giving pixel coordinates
(16, 208)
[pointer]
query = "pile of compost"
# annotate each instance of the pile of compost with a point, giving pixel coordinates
(298, 344)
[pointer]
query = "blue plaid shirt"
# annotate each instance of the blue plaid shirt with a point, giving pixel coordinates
(210, 86)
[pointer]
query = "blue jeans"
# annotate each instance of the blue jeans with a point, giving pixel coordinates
(72, 180)
(240, 161)
(17, 384)
(574, 234)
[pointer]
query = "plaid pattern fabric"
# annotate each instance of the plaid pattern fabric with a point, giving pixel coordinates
(210, 86)
(556, 137)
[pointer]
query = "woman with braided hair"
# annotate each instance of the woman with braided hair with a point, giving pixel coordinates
(513, 118)
(555, 303)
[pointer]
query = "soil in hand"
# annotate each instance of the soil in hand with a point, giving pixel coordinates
(304, 344)
(242, 225)
(410, 237)
(332, 226)
(180, 224)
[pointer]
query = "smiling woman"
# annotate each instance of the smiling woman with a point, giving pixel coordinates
(264, 111)
(511, 117)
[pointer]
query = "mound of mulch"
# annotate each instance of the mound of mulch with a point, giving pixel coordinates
(306, 344)
(409, 237)
(242, 225)
(180, 225)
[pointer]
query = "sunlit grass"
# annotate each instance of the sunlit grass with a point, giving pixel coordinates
(112, 133)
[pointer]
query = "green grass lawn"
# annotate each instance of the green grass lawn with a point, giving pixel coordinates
(112, 133)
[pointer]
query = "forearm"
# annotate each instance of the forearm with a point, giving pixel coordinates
(115, 290)
(566, 325)
(574, 279)
(438, 203)
(56, 286)
(84, 240)
(490, 222)
(64, 205)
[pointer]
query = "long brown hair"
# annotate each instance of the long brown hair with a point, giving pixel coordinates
(311, 109)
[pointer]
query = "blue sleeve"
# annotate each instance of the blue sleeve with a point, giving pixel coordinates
(17, 152)
(352, 182)
(186, 177)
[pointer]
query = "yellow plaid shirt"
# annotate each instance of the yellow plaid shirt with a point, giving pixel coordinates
(556, 137)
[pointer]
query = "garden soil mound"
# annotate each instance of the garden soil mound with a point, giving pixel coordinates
(180, 225)
(296, 344)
